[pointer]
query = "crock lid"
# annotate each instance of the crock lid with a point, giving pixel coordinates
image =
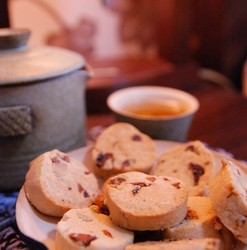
(32, 64)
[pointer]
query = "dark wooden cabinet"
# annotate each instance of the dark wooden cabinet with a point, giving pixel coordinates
(4, 14)
(212, 32)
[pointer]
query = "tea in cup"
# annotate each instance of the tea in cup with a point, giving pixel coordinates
(161, 112)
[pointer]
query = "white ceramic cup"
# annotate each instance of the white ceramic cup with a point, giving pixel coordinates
(161, 112)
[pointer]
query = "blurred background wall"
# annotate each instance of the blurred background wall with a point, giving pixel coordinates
(212, 33)
(85, 26)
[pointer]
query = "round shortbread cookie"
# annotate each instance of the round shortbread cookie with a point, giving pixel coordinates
(86, 229)
(228, 194)
(201, 221)
(191, 162)
(195, 244)
(121, 148)
(56, 182)
(142, 202)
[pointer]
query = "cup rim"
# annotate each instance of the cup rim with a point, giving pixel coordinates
(112, 103)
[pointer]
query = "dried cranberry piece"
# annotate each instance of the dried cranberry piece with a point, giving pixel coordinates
(102, 158)
(117, 181)
(86, 194)
(66, 158)
(176, 185)
(136, 190)
(136, 138)
(125, 163)
(80, 188)
(138, 186)
(192, 149)
(55, 160)
(197, 172)
(104, 210)
(82, 239)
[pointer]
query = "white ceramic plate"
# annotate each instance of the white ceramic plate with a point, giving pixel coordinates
(42, 228)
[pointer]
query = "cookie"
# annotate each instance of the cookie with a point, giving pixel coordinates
(191, 162)
(121, 148)
(56, 182)
(201, 221)
(86, 229)
(139, 201)
(228, 194)
(195, 244)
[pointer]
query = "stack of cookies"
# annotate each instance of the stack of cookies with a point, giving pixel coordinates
(131, 194)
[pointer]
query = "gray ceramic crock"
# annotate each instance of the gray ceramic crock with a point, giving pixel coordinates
(42, 107)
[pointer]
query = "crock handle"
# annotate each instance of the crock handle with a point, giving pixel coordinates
(15, 120)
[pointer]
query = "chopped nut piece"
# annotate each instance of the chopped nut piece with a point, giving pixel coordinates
(99, 202)
(107, 233)
(191, 215)
(217, 224)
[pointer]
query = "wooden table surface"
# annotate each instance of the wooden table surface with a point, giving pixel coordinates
(220, 122)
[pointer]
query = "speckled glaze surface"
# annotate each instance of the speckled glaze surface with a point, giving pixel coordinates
(42, 107)
(58, 121)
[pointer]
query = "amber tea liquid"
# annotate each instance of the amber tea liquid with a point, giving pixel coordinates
(157, 108)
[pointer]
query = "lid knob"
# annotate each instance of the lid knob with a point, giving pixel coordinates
(13, 38)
